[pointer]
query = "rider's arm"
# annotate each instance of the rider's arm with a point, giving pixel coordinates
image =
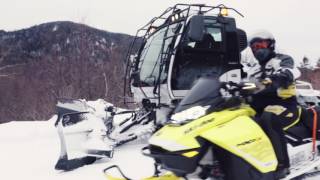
(286, 74)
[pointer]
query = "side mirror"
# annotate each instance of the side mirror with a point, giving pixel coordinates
(196, 28)
(243, 41)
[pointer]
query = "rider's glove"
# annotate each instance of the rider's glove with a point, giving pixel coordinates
(282, 78)
(266, 81)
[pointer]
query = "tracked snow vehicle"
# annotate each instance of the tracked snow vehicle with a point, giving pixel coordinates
(176, 48)
(179, 46)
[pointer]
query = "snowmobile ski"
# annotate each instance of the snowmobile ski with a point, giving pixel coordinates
(304, 169)
(121, 176)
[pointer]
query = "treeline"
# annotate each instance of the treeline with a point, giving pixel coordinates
(32, 92)
(69, 61)
(312, 76)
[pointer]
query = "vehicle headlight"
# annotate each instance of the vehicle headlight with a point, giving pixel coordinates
(188, 114)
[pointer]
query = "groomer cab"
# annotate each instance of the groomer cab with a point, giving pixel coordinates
(189, 42)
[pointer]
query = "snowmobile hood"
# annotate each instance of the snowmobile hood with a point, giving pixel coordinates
(178, 138)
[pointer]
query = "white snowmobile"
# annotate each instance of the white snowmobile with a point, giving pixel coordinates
(306, 95)
(85, 136)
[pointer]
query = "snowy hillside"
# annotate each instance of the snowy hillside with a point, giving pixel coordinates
(45, 53)
(29, 150)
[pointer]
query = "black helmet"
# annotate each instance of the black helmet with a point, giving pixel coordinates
(262, 45)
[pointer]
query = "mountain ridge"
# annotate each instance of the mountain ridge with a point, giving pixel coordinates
(62, 59)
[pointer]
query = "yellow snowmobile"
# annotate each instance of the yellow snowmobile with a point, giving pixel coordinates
(222, 126)
(212, 134)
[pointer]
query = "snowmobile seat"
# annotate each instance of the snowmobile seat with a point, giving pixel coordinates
(298, 134)
(302, 132)
(307, 117)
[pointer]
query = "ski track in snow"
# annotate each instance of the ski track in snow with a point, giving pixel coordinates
(29, 150)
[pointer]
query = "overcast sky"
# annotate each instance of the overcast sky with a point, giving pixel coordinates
(294, 23)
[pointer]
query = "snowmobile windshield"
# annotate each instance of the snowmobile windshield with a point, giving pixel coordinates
(150, 56)
(206, 91)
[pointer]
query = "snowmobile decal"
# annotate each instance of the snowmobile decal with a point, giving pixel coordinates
(296, 121)
(174, 134)
(276, 109)
(190, 154)
(249, 142)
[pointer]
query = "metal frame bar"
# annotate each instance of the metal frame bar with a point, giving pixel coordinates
(165, 23)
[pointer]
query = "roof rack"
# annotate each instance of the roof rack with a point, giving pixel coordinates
(184, 10)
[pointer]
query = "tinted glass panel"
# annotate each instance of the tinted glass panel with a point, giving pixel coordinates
(151, 54)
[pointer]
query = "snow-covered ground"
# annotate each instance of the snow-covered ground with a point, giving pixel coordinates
(29, 151)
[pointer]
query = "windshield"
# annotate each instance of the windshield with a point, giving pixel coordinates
(212, 38)
(151, 54)
(206, 91)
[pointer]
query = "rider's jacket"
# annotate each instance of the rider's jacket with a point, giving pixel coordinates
(282, 91)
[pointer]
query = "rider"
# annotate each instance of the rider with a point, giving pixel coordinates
(276, 105)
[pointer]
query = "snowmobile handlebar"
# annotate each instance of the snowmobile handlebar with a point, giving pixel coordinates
(244, 88)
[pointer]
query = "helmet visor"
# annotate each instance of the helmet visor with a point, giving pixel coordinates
(259, 44)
